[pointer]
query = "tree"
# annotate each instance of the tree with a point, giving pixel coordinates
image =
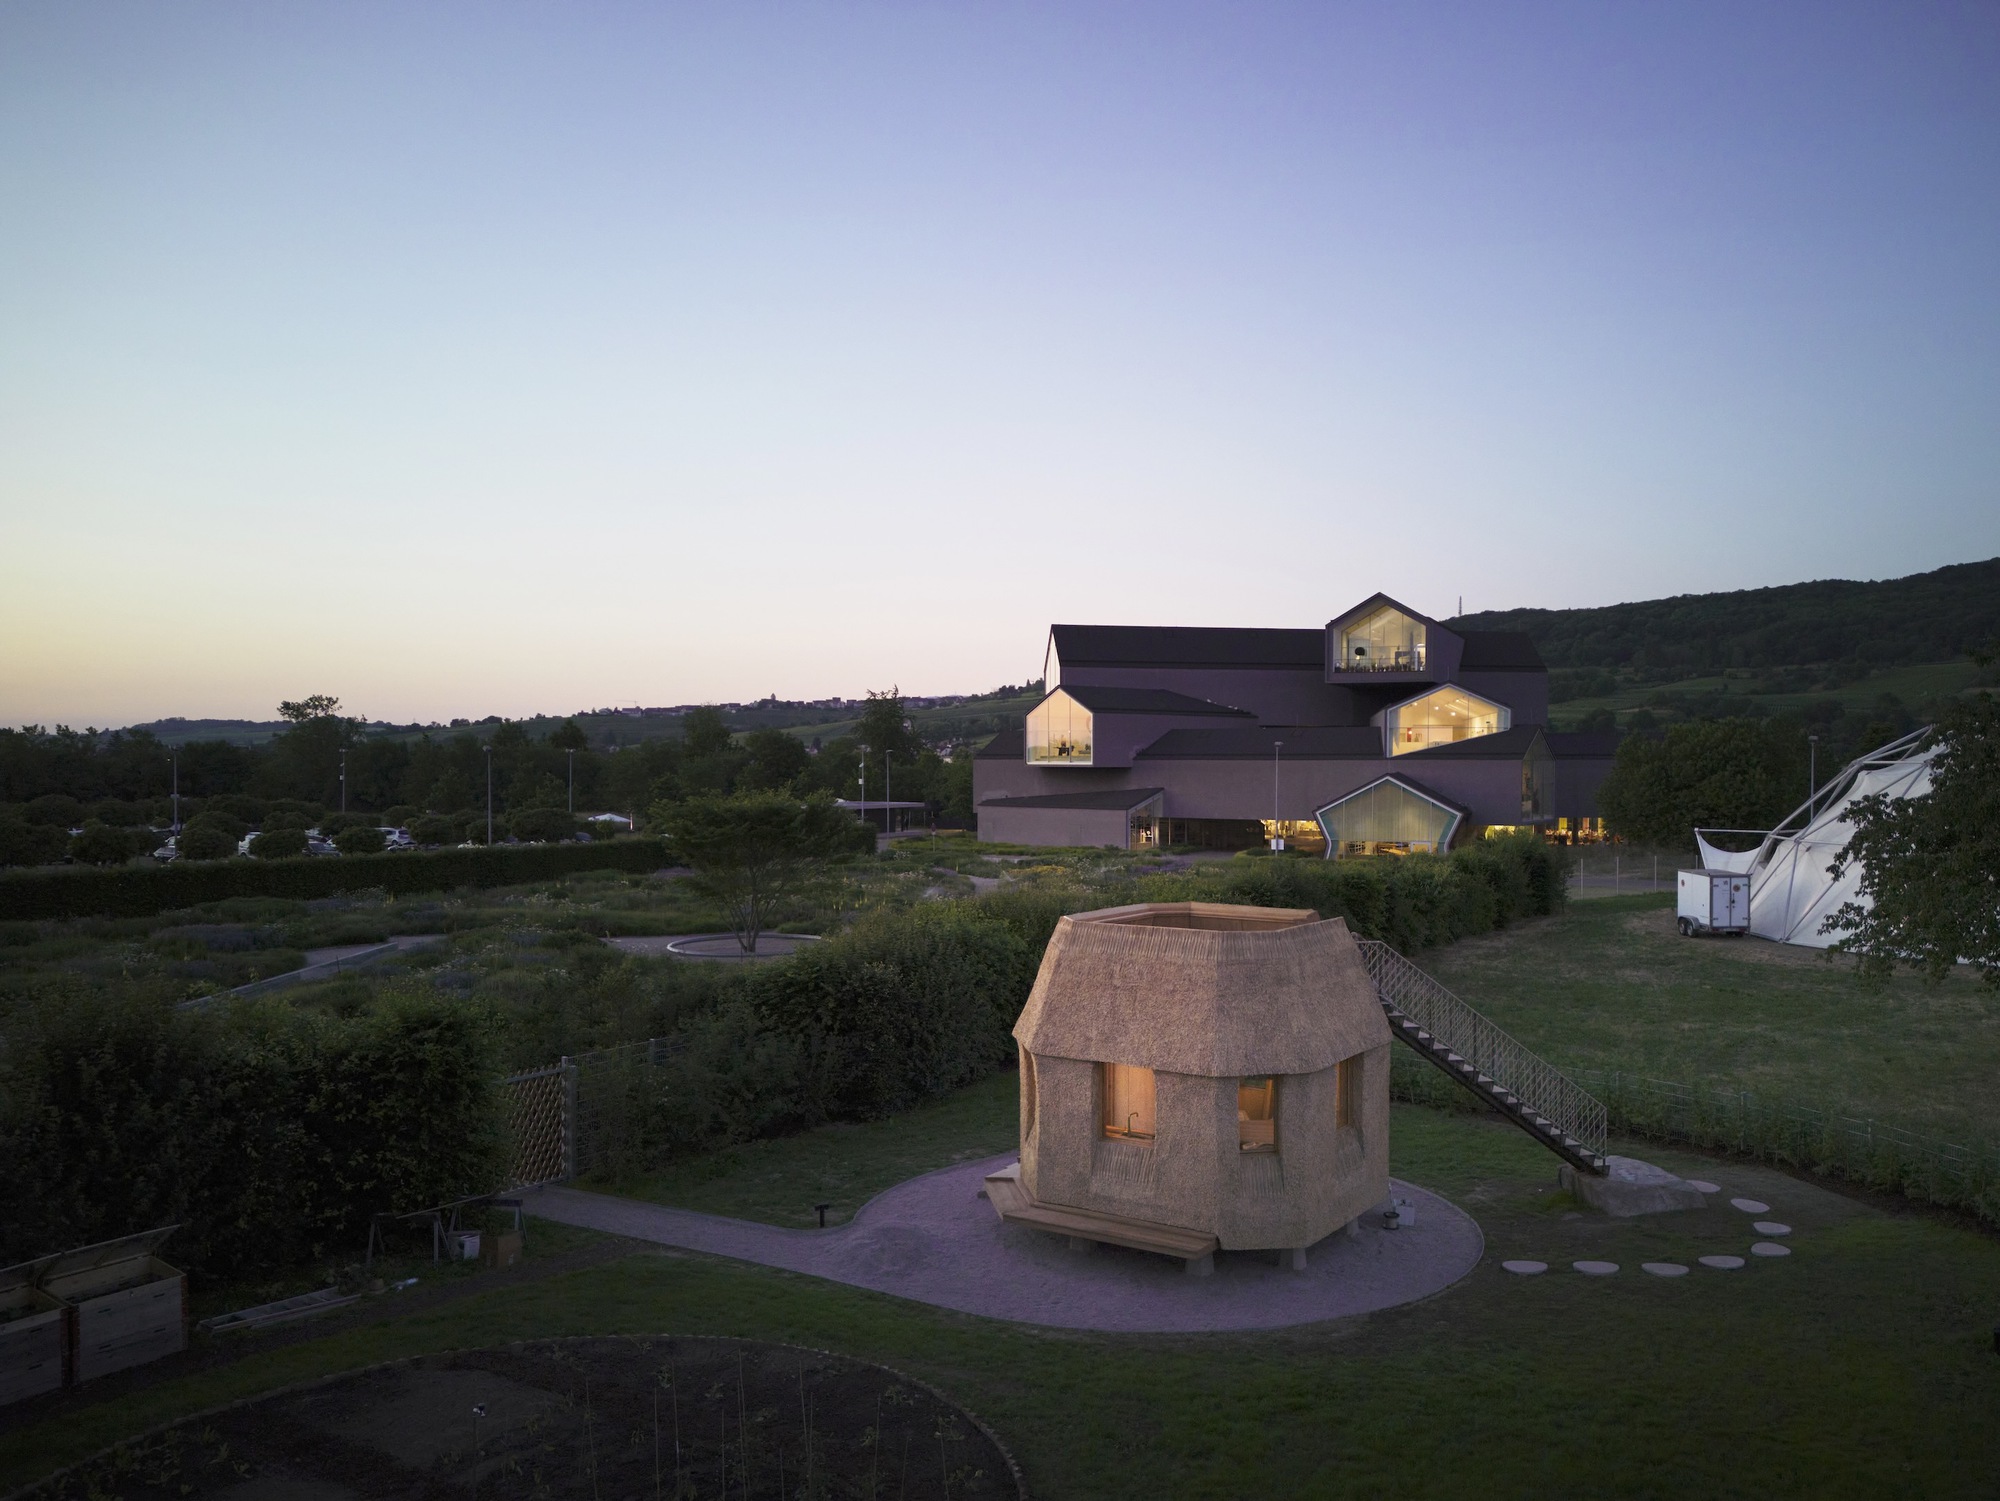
(23, 843)
(1716, 774)
(755, 851)
(205, 840)
(100, 844)
(777, 760)
(541, 825)
(1930, 865)
(317, 706)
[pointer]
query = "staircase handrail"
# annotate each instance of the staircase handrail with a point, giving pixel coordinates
(1535, 1081)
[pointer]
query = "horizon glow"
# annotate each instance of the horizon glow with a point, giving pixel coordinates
(505, 359)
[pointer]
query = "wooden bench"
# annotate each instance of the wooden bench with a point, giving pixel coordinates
(1012, 1202)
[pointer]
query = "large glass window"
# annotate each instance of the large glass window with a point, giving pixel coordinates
(1386, 641)
(1257, 1115)
(1444, 716)
(1127, 1091)
(1059, 731)
(1386, 818)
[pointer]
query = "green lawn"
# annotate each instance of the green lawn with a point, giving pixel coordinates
(1859, 1366)
(779, 1181)
(1609, 984)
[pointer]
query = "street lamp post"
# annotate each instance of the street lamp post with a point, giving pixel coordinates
(861, 797)
(1812, 773)
(571, 755)
(1277, 828)
(489, 795)
(177, 792)
(343, 779)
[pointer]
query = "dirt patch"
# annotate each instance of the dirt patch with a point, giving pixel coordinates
(575, 1418)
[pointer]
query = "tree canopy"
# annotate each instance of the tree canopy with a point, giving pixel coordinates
(1714, 774)
(753, 852)
(1930, 865)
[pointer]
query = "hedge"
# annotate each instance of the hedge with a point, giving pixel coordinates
(140, 891)
(270, 1136)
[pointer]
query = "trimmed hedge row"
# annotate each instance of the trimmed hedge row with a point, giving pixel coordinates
(140, 891)
(270, 1136)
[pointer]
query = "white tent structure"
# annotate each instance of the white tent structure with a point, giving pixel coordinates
(1792, 890)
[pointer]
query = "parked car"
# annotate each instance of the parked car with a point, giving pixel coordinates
(395, 839)
(318, 844)
(169, 852)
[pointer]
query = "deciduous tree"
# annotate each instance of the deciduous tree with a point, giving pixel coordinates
(753, 852)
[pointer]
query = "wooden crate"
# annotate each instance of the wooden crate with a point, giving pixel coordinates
(34, 1335)
(128, 1306)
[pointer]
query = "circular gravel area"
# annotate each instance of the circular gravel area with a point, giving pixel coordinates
(1663, 1268)
(1524, 1268)
(712, 946)
(936, 1240)
(1750, 1206)
(1596, 1268)
(1722, 1263)
(1770, 1248)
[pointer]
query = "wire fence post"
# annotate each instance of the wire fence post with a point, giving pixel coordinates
(568, 1066)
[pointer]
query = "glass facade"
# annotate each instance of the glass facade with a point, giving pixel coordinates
(1386, 641)
(1127, 1092)
(1444, 716)
(1386, 818)
(1059, 732)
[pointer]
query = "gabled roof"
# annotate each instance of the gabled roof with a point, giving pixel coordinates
(1410, 784)
(1357, 742)
(1512, 743)
(1111, 700)
(1010, 744)
(1185, 646)
(1373, 603)
(1499, 651)
(1111, 799)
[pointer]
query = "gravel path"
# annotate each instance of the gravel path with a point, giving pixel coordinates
(935, 1240)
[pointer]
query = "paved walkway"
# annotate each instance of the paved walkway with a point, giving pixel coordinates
(935, 1240)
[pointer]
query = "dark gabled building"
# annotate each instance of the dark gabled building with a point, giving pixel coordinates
(1385, 730)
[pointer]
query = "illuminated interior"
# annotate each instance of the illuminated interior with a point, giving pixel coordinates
(1059, 732)
(1127, 1091)
(1301, 834)
(1386, 818)
(1386, 641)
(1257, 1115)
(1442, 717)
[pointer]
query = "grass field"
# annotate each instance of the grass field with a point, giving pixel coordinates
(1609, 984)
(1859, 1366)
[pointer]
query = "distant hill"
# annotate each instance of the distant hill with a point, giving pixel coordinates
(1927, 617)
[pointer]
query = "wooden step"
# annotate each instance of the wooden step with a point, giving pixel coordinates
(1012, 1202)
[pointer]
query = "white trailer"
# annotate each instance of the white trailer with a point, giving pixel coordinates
(1714, 901)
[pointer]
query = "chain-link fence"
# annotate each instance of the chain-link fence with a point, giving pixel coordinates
(584, 1113)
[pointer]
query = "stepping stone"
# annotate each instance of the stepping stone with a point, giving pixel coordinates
(1596, 1268)
(1705, 1186)
(1770, 1248)
(1750, 1206)
(1771, 1227)
(1524, 1268)
(1663, 1268)
(1722, 1263)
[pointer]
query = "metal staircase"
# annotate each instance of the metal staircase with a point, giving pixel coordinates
(1526, 1089)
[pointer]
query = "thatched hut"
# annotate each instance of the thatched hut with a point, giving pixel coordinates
(1197, 1076)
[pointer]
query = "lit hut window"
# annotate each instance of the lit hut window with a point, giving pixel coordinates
(1257, 1115)
(1128, 1101)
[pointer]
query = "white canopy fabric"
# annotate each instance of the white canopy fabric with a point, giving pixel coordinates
(1792, 890)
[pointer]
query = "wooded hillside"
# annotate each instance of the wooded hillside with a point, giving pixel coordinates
(1926, 617)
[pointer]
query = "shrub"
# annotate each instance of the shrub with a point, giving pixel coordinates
(55, 809)
(205, 841)
(100, 844)
(433, 829)
(544, 825)
(275, 844)
(23, 843)
(360, 839)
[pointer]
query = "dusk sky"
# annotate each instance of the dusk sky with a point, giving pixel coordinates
(472, 359)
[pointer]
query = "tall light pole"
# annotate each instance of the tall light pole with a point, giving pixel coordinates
(177, 792)
(887, 815)
(343, 779)
(571, 754)
(1277, 828)
(489, 795)
(1812, 773)
(861, 797)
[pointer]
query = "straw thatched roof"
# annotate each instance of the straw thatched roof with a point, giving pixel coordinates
(1200, 988)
